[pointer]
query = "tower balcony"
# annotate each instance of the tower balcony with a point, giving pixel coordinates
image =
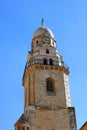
(47, 62)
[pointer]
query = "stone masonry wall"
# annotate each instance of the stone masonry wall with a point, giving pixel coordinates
(52, 119)
(41, 97)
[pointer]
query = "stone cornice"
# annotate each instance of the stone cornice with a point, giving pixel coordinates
(42, 67)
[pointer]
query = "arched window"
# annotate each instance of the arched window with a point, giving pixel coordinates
(47, 51)
(45, 61)
(37, 41)
(51, 61)
(50, 86)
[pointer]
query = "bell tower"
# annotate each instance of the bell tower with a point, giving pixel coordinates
(47, 104)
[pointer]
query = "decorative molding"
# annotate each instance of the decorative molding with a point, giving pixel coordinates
(42, 67)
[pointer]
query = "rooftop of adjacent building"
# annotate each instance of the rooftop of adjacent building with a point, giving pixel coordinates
(84, 127)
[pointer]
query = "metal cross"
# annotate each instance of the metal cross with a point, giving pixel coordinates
(42, 22)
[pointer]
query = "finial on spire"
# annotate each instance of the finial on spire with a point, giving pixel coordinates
(42, 22)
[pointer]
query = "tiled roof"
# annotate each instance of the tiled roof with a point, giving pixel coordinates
(84, 127)
(22, 120)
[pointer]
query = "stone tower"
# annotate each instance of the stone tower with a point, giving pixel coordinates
(47, 103)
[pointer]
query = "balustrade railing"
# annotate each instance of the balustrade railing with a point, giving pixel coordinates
(42, 62)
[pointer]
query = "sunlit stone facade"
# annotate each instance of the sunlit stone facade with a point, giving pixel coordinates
(47, 104)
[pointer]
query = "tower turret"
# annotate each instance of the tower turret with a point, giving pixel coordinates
(47, 102)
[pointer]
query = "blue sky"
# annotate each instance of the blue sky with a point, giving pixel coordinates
(18, 20)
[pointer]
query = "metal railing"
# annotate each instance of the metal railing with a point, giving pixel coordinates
(42, 62)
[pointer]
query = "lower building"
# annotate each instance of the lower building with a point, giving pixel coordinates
(84, 127)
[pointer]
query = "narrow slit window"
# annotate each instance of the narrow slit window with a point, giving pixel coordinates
(23, 127)
(45, 61)
(19, 128)
(27, 128)
(51, 61)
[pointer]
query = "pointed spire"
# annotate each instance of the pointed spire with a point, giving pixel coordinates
(42, 22)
